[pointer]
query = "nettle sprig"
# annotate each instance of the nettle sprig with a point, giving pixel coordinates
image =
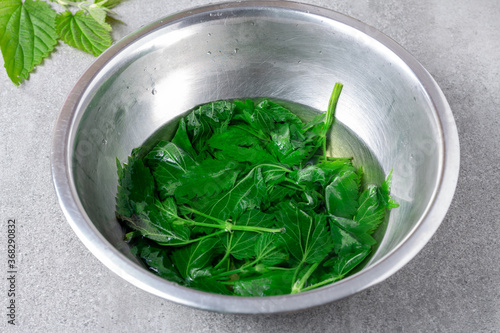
(30, 30)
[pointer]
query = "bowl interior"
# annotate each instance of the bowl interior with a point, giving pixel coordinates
(290, 54)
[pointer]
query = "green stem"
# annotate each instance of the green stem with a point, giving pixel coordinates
(297, 287)
(228, 226)
(192, 210)
(252, 267)
(226, 255)
(295, 273)
(203, 237)
(322, 283)
(271, 165)
(254, 133)
(330, 113)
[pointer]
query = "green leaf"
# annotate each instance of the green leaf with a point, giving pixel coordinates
(83, 32)
(27, 36)
(192, 259)
(278, 113)
(371, 211)
(206, 120)
(268, 249)
(247, 193)
(99, 14)
(360, 231)
(135, 186)
(268, 284)
(235, 144)
(278, 193)
(181, 139)
(241, 244)
(385, 190)
(350, 252)
(210, 285)
(169, 163)
(157, 260)
(206, 179)
(108, 3)
(341, 195)
(310, 174)
(158, 222)
(171, 156)
(306, 237)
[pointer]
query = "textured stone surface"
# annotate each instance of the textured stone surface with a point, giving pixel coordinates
(453, 285)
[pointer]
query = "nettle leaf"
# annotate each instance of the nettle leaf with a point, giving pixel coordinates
(306, 237)
(247, 193)
(158, 222)
(385, 190)
(206, 179)
(268, 284)
(350, 252)
(235, 144)
(108, 3)
(269, 249)
(99, 14)
(241, 244)
(83, 32)
(27, 36)
(169, 163)
(309, 174)
(191, 260)
(278, 113)
(209, 284)
(206, 120)
(135, 186)
(181, 139)
(371, 211)
(341, 195)
(277, 193)
(169, 154)
(157, 260)
(361, 231)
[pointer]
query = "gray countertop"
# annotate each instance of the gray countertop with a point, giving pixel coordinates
(453, 285)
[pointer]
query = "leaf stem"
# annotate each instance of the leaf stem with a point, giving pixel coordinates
(226, 255)
(322, 283)
(330, 113)
(251, 268)
(297, 287)
(200, 238)
(226, 225)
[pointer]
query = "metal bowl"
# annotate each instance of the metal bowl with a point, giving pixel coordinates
(284, 50)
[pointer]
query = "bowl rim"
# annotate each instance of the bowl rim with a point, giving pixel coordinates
(61, 162)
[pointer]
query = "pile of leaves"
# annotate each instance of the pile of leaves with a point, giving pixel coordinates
(30, 30)
(244, 201)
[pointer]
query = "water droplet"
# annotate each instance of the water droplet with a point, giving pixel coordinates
(209, 52)
(153, 91)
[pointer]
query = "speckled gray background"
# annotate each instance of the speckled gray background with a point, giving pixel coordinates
(453, 285)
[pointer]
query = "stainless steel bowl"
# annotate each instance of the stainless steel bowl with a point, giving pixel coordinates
(278, 49)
